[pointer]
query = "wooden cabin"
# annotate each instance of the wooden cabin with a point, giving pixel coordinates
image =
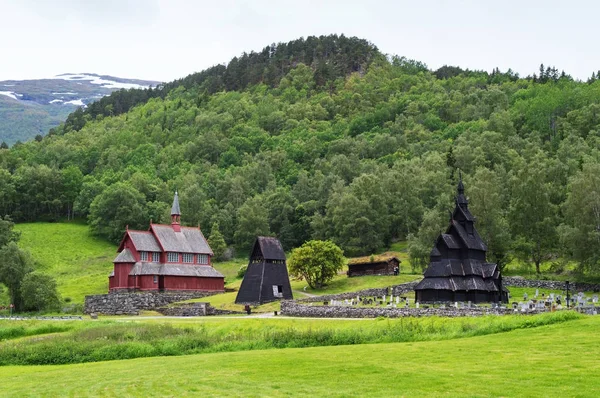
(384, 264)
(458, 270)
(166, 257)
(266, 277)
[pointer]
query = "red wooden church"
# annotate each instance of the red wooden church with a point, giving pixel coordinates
(166, 257)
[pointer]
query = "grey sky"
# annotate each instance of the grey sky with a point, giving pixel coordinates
(167, 39)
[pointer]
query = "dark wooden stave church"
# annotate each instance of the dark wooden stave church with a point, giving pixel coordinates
(458, 270)
(266, 278)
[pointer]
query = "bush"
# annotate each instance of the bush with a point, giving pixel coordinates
(242, 271)
(39, 292)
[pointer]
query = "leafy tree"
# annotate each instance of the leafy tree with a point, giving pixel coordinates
(488, 205)
(532, 215)
(7, 232)
(217, 241)
(115, 208)
(420, 244)
(90, 188)
(72, 179)
(15, 264)
(581, 232)
(317, 262)
(252, 222)
(39, 292)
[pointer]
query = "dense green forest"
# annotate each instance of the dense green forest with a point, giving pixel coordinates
(328, 138)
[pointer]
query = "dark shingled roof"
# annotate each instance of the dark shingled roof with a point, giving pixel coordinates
(471, 241)
(175, 208)
(205, 271)
(464, 211)
(124, 257)
(450, 242)
(270, 248)
(189, 240)
(457, 267)
(144, 241)
(457, 283)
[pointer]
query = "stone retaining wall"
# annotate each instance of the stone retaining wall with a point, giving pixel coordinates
(133, 303)
(397, 290)
(194, 309)
(516, 281)
(291, 308)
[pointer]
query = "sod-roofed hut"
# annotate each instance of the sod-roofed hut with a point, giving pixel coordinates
(383, 264)
(458, 270)
(266, 277)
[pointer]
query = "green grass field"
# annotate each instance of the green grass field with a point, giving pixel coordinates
(553, 360)
(78, 261)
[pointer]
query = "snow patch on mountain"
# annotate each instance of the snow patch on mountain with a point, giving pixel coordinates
(98, 80)
(10, 94)
(78, 102)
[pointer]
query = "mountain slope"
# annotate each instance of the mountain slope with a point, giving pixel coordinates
(32, 107)
(364, 158)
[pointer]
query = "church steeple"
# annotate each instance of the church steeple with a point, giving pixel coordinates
(175, 214)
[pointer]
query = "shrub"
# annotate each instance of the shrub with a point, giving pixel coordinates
(242, 271)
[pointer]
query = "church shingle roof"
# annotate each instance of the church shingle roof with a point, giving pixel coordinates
(189, 240)
(124, 257)
(205, 271)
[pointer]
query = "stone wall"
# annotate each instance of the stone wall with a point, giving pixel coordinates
(292, 308)
(407, 289)
(397, 290)
(194, 309)
(554, 285)
(133, 303)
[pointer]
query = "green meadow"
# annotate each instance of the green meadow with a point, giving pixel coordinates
(556, 359)
(78, 261)
(50, 343)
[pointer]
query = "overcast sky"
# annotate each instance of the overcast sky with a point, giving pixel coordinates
(168, 39)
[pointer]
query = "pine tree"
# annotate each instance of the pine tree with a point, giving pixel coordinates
(216, 241)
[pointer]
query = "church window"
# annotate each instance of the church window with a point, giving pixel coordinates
(188, 258)
(202, 259)
(144, 256)
(155, 278)
(173, 257)
(156, 257)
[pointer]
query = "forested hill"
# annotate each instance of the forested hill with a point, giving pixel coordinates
(330, 57)
(363, 157)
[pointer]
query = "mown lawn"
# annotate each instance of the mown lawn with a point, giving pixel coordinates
(555, 360)
(79, 262)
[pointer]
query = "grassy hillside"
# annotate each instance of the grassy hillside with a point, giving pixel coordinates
(557, 360)
(79, 261)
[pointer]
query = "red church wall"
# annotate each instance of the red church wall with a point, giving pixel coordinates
(121, 278)
(146, 282)
(193, 283)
